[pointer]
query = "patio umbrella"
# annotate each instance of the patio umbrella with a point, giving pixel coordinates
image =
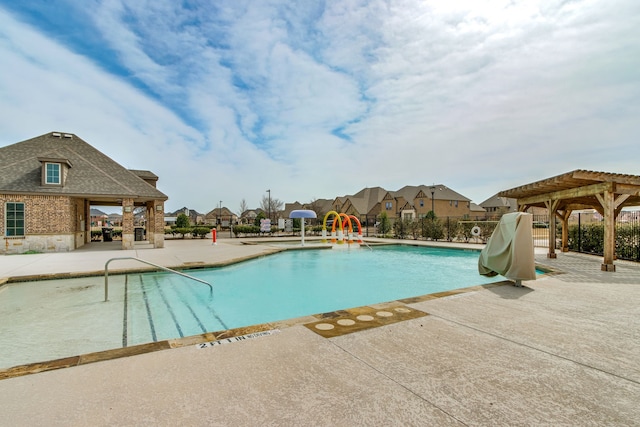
(302, 214)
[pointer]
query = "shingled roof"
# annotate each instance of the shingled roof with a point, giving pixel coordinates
(92, 174)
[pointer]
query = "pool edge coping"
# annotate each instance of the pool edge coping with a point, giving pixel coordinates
(117, 353)
(110, 354)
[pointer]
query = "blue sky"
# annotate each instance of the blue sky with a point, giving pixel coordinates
(224, 100)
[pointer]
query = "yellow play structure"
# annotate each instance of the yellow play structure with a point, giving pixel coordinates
(340, 221)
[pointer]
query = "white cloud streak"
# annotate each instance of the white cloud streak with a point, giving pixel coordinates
(322, 99)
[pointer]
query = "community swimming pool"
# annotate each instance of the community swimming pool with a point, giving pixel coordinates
(60, 318)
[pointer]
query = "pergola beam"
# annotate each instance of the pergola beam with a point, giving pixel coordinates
(572, 193)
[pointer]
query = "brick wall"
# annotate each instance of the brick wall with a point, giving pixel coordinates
(50, 223)
(43, 214)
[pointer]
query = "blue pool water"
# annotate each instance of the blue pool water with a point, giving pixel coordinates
(59, 318)
(299, 283)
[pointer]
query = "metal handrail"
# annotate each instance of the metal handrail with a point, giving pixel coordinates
(106, 274)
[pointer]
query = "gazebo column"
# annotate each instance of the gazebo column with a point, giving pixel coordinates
(87, 221)
(155, 223)
(127, 224)
(150, 224)
(552, 205)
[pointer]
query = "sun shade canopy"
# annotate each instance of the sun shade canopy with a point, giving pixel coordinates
(302, 213)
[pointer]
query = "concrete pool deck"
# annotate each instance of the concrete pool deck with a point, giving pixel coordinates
(563, 350)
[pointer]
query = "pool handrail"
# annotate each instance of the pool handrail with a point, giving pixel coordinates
(106, 273)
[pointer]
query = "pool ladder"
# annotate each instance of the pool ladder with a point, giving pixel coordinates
(106, 274)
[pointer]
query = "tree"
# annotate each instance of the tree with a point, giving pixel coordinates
(384, 226)
(400, 228)
(260, 216)
(182, 221)
(243, 207)
(276, 205)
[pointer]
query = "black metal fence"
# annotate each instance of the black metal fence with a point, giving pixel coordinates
(452, 229)
(586, 234)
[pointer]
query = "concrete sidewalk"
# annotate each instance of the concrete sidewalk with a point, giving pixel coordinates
(564, 350)
(91, 258)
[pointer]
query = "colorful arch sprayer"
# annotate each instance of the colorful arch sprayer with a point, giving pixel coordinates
(343, 220)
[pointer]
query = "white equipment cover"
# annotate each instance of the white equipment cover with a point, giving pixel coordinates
(509, 251)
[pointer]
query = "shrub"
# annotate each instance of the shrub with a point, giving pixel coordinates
(200, 232)
(384, 225)
(245, 229)
(589, 238)
(431, 228)
(401, 228)
(183, 231)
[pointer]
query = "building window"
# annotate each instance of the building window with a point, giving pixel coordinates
(456, 203)
(14, 222)
(388, 206)
(421, 203)
(53, 173)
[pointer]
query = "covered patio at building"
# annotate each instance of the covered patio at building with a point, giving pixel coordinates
(605, 192)
(150, 232)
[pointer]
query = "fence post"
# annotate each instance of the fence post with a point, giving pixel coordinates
(579, 233)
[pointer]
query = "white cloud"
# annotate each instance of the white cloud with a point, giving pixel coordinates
(477, 95)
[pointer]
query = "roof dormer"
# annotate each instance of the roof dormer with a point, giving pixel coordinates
(54, 171)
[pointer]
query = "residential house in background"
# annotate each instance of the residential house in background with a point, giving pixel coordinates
(220, 216)
(195, 217)
(288, 207)
(409, 202)
(98, 218)
(249, 216)
(496, 206)
(319, 206)
(366, 203)
(415, 202)
(477, 211)
(115, 219)
(101, 219)
(48, 185)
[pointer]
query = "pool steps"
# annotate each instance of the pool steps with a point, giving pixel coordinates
(154, 313)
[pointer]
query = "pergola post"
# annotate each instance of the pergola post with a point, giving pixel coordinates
(607, 200)
(564, 216)
(611, 207)
(552, 205)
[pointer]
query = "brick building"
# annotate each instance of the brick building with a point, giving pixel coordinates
(48, 185)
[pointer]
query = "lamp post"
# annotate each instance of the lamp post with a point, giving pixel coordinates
(220, 215)
(269, 205)
(433, 190)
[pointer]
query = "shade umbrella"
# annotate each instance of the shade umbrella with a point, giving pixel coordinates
(302, 214)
